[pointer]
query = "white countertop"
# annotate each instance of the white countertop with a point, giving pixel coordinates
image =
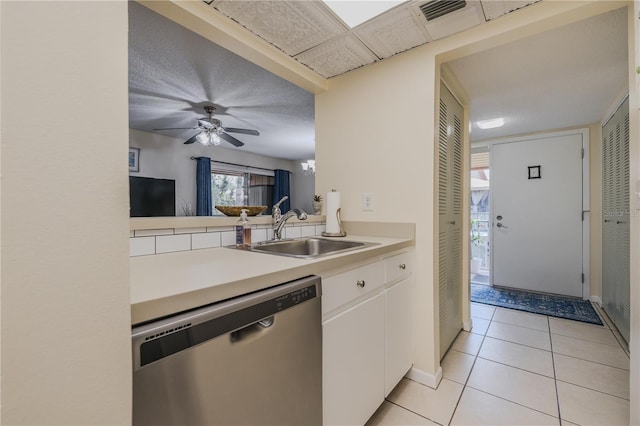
(165, 284)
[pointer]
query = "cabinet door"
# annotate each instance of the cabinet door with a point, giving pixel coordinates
(353, 363)
(398, 331)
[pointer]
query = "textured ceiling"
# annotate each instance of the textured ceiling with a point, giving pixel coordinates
(561, 78)
(173, 72)
(565, 77)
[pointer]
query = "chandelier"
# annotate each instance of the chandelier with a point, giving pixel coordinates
(309, 167)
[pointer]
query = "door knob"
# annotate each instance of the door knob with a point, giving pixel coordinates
(453, 222)
(499, 225)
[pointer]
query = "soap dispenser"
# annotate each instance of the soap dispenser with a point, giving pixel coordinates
(243, 230)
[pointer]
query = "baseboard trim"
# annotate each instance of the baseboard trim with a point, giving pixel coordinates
(467, 325)
(596, 300)
(425, 378)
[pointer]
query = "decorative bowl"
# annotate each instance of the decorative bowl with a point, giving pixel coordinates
(235, 210)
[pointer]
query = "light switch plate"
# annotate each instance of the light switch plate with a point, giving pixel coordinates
(367, 202)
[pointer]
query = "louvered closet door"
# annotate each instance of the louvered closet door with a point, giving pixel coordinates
(616, 212)
(449, 218)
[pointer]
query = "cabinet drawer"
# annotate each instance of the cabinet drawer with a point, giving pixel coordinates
(350, 285)
(398, 267)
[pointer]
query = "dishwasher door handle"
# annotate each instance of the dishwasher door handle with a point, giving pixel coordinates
(252, 331)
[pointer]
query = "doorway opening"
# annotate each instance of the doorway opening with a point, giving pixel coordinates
(480, 265)
(536, 225)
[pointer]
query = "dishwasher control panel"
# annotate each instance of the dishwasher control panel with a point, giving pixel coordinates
(153, 342)
(295, 297)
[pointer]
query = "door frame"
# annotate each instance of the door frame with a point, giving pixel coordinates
(586, 242)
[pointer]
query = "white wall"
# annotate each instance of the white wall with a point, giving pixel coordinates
(395, 162)
(595, 213)
(169, 158)
(66, 352)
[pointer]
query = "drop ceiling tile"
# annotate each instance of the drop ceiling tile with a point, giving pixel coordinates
(496, 8)
(342, 54)
(292, 26)
(392, 32)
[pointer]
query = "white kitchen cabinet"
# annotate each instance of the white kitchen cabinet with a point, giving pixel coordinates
(367, 337)
(398, 333)
(353, 363)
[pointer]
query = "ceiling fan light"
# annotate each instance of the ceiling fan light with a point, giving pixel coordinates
(203, 139)
(215, 138)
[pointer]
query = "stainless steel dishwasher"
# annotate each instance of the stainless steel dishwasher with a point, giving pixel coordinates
(252, 360)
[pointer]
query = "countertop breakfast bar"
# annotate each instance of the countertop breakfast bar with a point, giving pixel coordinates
(166, 284)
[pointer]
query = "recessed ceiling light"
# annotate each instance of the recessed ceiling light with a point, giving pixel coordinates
(355, 12)
(490, 124)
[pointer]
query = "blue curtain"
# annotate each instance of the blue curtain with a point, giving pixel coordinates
(203, 187)
(281, 188)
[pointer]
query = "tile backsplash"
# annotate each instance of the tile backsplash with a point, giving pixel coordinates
(156, 241)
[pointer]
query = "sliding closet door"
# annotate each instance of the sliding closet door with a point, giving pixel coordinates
(449, 218)
(615, 227)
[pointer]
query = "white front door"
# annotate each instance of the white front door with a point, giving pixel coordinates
(536, 190)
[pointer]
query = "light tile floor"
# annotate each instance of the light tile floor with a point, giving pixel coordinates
(517, 368)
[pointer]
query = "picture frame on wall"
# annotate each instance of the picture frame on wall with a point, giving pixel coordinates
(534, 172)
(134, 159)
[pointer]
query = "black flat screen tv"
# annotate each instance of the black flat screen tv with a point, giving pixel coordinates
(150, 197)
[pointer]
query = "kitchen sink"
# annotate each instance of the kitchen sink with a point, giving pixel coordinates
(307, 247)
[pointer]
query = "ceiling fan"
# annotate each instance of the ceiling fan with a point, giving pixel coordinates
(211, 132)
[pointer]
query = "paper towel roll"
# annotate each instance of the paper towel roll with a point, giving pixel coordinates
(333, 204)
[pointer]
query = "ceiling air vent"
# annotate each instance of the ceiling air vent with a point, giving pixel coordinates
(437, 8)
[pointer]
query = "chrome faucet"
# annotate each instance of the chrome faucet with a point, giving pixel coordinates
(275, 212)
(282, 219)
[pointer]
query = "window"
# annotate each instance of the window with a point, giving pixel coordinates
(228, 188)
(232, 188)
(261, 191)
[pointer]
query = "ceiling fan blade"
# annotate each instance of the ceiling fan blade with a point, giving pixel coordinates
(243, 131)
(192, 139)
(177, 128)
(231, 139)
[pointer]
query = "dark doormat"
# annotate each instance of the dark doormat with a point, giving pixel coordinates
(537, 303)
